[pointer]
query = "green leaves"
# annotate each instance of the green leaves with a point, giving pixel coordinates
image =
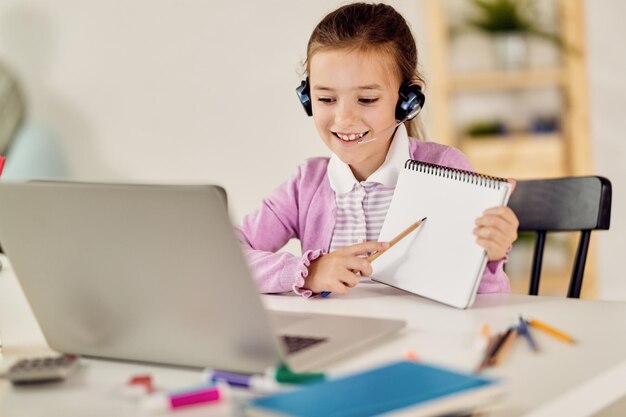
(507, 16)
(501, 16)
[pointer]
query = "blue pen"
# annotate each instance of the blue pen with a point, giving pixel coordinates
(256, 382)
(325, 294)
(525, 331)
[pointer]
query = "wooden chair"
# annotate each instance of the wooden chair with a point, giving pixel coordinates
(563, 204)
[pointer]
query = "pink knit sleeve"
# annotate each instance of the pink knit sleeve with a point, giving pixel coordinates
(303, 271)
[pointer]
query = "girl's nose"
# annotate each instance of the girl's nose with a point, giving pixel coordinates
(345, 113)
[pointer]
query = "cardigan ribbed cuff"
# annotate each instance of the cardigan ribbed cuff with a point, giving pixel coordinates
(303, 272)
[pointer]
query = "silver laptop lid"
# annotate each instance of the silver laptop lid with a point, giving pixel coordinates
(135, 272)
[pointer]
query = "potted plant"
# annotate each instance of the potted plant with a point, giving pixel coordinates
(509, 23)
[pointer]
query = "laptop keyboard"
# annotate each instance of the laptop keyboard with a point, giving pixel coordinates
(297, 343)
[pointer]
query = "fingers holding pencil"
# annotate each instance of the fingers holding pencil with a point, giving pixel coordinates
(360, 249)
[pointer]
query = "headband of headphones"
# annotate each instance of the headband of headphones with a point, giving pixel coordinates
(410, 100)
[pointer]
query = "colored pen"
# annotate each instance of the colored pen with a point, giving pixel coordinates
(260, 383)
(552, 331)
(392, 242)
(165, 401)
(523, 329)
(493, 345)
(508, 338)
(285, 375)
(496, 344)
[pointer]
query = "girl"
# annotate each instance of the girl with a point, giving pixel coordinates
(361, 65)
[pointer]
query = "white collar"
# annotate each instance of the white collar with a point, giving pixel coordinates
(342, 179)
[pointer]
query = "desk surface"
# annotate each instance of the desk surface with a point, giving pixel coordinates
(437, 333)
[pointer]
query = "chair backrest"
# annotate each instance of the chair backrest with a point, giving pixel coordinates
(562, 204)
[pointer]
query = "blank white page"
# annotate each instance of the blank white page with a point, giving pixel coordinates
(441, 259)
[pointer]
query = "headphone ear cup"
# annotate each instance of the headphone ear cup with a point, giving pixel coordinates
(304, 95)
(410, 101)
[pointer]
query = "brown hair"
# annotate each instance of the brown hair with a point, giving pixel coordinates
(370, 27)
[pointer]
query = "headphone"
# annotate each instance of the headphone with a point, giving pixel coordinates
(410, 101)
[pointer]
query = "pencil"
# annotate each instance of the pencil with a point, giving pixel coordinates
(396, 239)
(552, 331)
(509, 336)
(492, 348)
(391, 243)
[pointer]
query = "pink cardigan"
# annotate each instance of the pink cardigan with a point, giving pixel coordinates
(304, 207)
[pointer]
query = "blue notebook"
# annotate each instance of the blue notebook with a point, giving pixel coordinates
(416, 388)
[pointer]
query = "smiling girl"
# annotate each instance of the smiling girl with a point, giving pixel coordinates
(361, 68)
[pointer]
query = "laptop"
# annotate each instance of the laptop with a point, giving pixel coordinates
(155, 273)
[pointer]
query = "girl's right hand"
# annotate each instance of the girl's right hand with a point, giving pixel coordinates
(337, 271)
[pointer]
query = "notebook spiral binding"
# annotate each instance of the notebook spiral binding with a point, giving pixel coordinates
(455, 174)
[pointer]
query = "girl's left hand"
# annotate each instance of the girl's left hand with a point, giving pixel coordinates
(496, 230)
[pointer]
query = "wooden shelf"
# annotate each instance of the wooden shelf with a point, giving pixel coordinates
(568, 77)
(517, 156)
(553, 282)
(506, 80)
(520, 156)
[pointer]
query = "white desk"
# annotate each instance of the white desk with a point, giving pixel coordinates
(437, 333)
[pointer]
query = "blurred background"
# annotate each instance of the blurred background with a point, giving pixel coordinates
(196, 91)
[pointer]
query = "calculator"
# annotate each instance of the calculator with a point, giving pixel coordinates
(41, 369)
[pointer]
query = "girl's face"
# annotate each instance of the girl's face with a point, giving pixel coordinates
(354, 95)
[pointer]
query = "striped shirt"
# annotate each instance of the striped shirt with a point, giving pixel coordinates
(362, 205)
(360, 214)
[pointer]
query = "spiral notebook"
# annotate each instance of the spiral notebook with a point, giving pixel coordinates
(441, 259)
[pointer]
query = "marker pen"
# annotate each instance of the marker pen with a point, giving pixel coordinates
(284, 375)
(260, 383)
(166, 401)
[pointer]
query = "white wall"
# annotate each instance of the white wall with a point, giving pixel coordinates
(170, 91)
(203, 91)
(607, 68)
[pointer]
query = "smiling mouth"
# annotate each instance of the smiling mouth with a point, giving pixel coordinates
(349, 137)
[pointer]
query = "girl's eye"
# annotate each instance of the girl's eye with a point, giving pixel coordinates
(368, 100)
(326, 99)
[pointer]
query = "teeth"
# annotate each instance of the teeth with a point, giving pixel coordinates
(350, 137)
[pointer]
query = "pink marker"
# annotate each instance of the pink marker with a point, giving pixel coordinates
(166, 401)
